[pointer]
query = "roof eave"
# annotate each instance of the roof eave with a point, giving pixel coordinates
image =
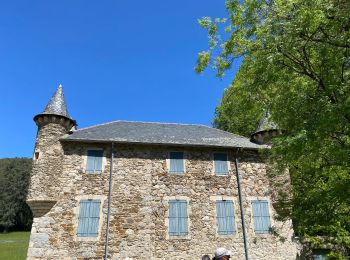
(162, 144)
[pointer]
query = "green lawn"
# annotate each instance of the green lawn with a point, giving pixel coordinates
(14, 245)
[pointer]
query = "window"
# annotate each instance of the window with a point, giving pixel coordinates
(178, 223)
(261, 216)
(88, 218)
(176, 163)
(94, 161)
(220, 164)
(225, 217)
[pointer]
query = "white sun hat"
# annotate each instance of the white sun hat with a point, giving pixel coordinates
(221, 251)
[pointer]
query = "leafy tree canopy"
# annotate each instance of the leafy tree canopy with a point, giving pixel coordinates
(297, 65)
(14, 181)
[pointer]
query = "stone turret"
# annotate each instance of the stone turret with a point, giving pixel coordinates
(265, 130)
(53, 123)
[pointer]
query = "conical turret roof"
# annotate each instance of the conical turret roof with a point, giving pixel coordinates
(57, 104)
(265, 130)
(266, 124)
(56, 108)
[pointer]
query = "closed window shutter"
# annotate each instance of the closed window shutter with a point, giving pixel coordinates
(225, 217)
(220, 163)
(220, 210)
(94, 161)
(182, 218)
(261, 216)
(90, 163)
(173, 222)
(88, 218)
(178, 218)
(83, 218)
(231, 228)
(176, 162)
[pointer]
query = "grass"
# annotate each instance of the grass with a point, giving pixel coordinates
(14, 245)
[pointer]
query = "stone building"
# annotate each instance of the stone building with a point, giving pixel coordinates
(152, 190)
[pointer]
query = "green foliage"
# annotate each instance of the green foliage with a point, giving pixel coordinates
(14, 181)
(296, 64)
(14, 245)
(239, 110)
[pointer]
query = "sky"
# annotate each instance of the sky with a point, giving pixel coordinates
(116, 60)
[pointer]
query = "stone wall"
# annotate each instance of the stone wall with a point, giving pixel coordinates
(141, 188)
(47, 160)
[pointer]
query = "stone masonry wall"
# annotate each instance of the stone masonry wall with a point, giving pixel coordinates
(142, 187)
(47, 166)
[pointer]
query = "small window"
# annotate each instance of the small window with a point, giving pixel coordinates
(178, 222)
(176, 163)
(36, 155)
(94, 161)
(220, 163)
(225, 217)
(88, 218)
(261, 216)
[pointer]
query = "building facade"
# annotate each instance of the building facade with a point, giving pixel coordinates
(160, 191)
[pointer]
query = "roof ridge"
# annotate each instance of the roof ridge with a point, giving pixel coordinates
(144, 122)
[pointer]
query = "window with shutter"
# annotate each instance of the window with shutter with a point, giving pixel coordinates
(94, 161)
(220, 164)
(225, 217)
(176, 163)
(88, 218)
(178, 218)
(261, 216)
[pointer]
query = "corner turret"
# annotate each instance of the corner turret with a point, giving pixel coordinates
(53, 123)
(265, 130)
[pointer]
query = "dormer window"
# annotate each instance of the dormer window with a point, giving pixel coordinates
(94, 161)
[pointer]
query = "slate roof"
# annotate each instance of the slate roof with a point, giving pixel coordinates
(266, 124)
(160, 134)
(57, 104)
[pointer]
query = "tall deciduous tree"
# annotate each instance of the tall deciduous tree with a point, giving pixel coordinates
(14, 181)
(296, 64)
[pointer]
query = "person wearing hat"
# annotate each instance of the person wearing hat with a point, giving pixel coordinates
(222, 254)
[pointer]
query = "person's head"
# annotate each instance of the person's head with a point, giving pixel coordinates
(206, 257)
(222, 254)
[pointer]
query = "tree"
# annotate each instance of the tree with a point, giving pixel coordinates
(297, 65)
(14, 181)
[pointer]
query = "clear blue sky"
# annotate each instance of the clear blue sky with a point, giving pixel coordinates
(116, 60)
